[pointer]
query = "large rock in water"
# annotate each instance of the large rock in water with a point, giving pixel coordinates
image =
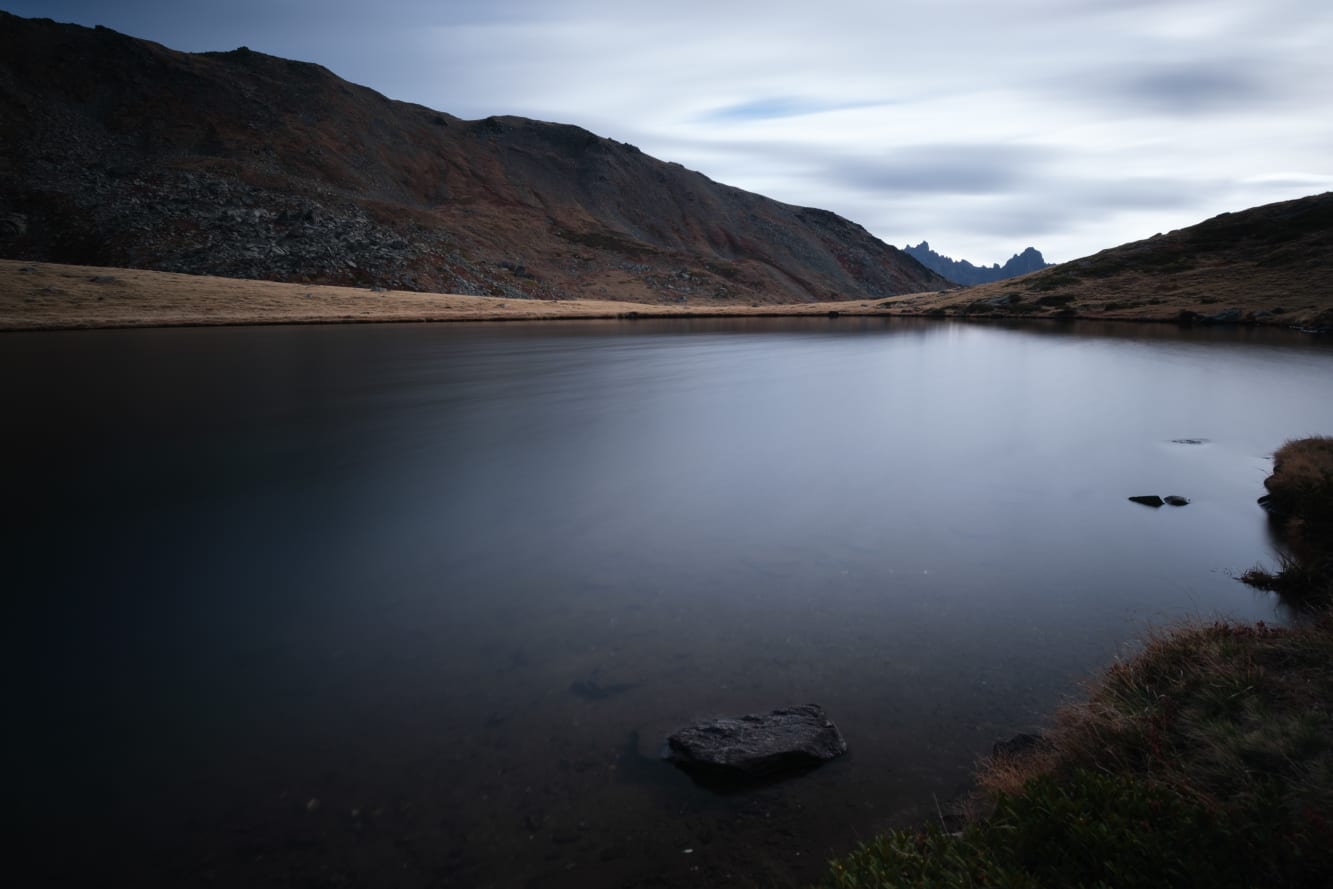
(758, 745)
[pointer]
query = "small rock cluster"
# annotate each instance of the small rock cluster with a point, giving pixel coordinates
(1155, 501)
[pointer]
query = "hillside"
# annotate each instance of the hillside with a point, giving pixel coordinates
(119, 152)
(960, 271)
(1270, 264)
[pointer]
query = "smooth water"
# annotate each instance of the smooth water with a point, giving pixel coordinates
(417, 605)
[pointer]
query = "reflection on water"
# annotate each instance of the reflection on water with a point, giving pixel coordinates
(418, 604)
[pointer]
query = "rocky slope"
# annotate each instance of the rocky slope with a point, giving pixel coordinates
(1268, 264)
(119, 152)
(960, 271)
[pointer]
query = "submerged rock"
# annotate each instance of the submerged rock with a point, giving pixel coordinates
(1148, 500)
(1019, 745)
(591, 690)
(758, 745)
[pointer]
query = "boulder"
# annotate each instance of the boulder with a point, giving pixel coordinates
(1226, 316)
(757, 745)
(1148, 500)
(1019, 745)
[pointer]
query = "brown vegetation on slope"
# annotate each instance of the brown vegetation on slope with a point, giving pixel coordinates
(1267, 265)
(120, 152)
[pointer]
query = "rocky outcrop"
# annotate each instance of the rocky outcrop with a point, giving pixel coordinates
(246, 165)
(758, 745)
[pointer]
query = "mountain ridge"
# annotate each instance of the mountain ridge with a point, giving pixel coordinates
(116, 151)
(960, 271)
(1265, 265)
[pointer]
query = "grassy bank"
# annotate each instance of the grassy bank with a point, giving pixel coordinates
(1207, 759)
(50, 296)
(1300, 506)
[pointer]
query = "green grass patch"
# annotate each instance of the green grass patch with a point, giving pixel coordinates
(1206, 760)
(1088, 829)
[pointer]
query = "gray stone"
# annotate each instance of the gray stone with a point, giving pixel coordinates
(1148, 500)
(1226, 316)
(1019, 745)
(758, 745)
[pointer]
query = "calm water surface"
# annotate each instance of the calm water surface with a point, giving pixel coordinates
(315, 606)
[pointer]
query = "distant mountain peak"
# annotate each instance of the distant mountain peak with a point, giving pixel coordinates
(960, 271)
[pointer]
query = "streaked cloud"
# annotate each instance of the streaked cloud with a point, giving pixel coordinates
(1069, 125)
(779, 107)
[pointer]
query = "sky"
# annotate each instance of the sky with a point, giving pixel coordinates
(981, 126)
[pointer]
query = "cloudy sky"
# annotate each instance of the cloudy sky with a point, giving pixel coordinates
(981, 126)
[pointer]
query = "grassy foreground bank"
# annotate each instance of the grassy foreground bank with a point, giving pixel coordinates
(1206, 760)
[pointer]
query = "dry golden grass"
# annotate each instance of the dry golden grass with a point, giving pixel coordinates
(1214, 712)
(1302, 481)
(1271, 297)
(48, 296)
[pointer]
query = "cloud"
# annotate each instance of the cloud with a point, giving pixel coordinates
(1308, 182)
(1070, 125)
(778, 107)
(1227, 87)
(942, 169)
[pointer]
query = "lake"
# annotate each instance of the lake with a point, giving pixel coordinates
(416, 605)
